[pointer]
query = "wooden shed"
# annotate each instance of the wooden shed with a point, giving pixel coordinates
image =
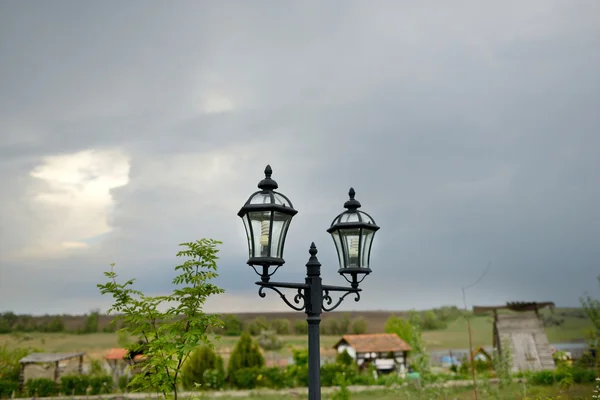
(523, 329)
(49, 361)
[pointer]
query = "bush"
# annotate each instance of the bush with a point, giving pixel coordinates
(541, 378)
(344, 358)
(42, 387)
(257, 325)
(232, 325)
(343, 393)
(214, 378)
(122, 383)
(281, 326)
(246, 378)
(246, 354)
(388, 380)
(7, 387)
(298, 374)
(583, 375)
(203, 359)
(359, 326)
(587, 359)
(269, 341)
(300, 327)
(276, 378)
(10, 367)
(101, 384)
(74, 385)
(329, 373)
(430, 321)
(548, 378)
(364, 379)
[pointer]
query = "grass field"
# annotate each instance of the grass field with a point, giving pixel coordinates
(453, 337)
(515, 391)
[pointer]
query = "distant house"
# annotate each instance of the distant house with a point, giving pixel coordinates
(480, 354)
(384, 350)
(118, 361)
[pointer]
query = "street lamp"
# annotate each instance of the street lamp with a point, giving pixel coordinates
(267, 216)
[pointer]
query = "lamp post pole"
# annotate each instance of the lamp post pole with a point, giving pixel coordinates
(313, 318)
(267, 215)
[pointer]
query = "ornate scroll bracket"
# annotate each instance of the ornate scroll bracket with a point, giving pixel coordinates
(298, 298)
(328, 300)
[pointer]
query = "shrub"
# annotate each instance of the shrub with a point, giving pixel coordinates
(364, 379)
(298, 374)
(276, 378)
(388, 380)
(122, 383)
(246, 354)
(583, 375)
(300, 327)
(587, 359)
(257, 325)
(91, 322)
(7, 387)
(344, 358)
(465, 366)
(9, 362)
(359, 326)
(214, 378)
(343, 325)
(232, 325)
(41, 387)
(541, 378)
(299, 371)
(101, 384)
(300, 357)
(281, 326)
(203, 359)
(330, 371)
(74, 385)
(246, 378)
(268, 340)
(563, 374)
(343, 393)
(273, 377)
(430, 321)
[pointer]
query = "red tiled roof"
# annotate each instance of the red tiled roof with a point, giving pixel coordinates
(377, 343)
(276, 363)
(116, 354)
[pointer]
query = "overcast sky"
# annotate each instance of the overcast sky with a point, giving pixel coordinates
(469, 130)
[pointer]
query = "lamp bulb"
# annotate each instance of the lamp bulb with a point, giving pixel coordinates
(264, 232)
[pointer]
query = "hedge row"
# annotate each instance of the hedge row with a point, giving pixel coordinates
(75, 385)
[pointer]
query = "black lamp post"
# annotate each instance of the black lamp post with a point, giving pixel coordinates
(267, 215)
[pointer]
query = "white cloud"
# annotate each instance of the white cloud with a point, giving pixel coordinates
(215, 104)
(75, 197)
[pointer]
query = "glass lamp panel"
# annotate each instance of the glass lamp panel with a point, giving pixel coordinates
(261, 221)
(248, 227)
(338, 247)
(279, 199)
(366, 218)
(367, 241)
(350, 242)
(260, 198)
(349, 217)
(281, 223)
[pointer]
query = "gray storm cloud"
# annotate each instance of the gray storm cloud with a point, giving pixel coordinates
(469, 131)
